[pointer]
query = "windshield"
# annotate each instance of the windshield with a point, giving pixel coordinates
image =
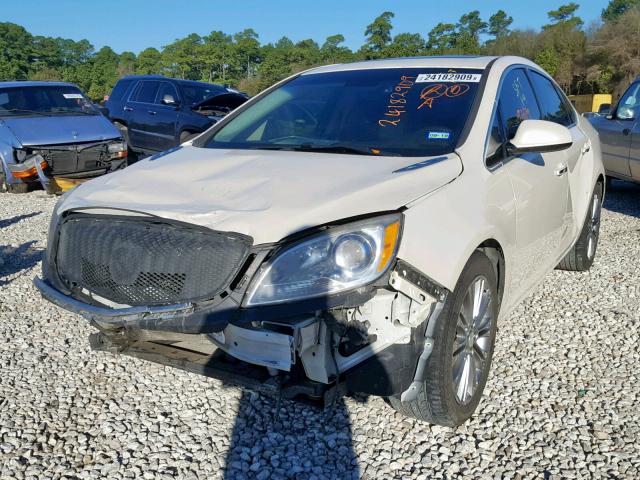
(44, 100)
(194, 94)
(398, 112)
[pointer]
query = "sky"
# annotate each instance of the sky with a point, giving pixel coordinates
(133, 25)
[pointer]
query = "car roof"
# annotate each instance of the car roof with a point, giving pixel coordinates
(31, 83)
(446, 61)
(178, 80)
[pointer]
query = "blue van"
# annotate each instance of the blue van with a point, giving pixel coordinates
(155, 113)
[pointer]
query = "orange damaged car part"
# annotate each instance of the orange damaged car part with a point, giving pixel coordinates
(29, 172)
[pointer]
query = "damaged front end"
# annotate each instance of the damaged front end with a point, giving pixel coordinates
(53, 166)
(308, 318)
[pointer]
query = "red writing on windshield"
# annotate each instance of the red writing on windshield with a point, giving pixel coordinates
(430, 93)
(397, 104)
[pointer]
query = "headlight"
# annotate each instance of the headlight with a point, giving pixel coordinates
(117, 149)
(337, 260)
(20, 154)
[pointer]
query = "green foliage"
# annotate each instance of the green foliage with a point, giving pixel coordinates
(618, 7)
(598, 62)
(566, 14)
(499, 24)
(548, 59)
(378, 35)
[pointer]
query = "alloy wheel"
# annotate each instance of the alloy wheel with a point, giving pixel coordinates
(472, 341)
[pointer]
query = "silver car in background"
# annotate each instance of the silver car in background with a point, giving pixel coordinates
(620, 136)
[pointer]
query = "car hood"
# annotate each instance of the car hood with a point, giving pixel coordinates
(228, 100)
(265, 194)
(51, 130)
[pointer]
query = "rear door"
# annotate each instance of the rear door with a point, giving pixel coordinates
(540, 191)
(141, 121)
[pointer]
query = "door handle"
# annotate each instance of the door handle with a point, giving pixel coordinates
(561, 170)
(151, 112)
(626, 131)
(128, 109)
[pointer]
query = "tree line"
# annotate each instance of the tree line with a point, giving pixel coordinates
(600, 58)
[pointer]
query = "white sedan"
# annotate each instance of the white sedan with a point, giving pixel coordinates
(355, 228)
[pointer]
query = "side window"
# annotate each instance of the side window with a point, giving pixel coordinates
(516, 101)
(553, 108)
(496, 143)
(146, 92)
(166, 89)
(120, 89)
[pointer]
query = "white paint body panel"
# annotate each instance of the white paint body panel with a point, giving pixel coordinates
(453, 205)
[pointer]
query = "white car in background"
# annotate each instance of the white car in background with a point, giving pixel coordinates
(355, 228)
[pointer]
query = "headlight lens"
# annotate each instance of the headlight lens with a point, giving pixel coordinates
(337, 260)
(21, 154)
(118, 149)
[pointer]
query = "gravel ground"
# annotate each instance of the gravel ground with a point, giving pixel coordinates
(562, 400)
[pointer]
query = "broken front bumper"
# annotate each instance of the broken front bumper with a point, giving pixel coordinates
(374, 340)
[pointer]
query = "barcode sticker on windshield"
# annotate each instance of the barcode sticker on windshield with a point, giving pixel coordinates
(448, 77)
(72, 95)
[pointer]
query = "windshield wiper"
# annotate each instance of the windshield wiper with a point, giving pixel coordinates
(347, 149)
(23, 110)
(71, 110)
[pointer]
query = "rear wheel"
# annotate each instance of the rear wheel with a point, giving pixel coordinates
(464, 337)
(581, 256)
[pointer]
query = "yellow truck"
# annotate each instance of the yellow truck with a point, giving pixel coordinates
(590, 103)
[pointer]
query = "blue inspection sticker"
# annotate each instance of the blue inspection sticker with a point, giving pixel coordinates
(438, 135)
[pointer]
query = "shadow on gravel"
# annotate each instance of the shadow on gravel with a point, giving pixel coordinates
(17, 259)
(10, 221)
(296, 442)
(623, 197)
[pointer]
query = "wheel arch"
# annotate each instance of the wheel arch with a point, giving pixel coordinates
(494, 252)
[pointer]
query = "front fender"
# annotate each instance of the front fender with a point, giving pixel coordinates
(6, 158)
(442, 230)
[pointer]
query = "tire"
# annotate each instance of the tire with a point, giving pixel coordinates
(443, 400)
(581, 256)
(186, 136)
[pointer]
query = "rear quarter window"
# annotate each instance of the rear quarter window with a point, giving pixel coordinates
(120, 89)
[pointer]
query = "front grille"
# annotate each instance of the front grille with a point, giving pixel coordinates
(72, 158)
(146, 262)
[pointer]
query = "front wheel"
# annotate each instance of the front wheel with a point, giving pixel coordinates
(464, 337)
(581, 256)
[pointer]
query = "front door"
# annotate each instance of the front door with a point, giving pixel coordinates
(540, 186)
(634, 157)
(162, 129)
(615, 132)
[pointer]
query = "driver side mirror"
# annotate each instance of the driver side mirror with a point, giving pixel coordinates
(604, 109)
(625, 113)
(168, 99)
(539, 136)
